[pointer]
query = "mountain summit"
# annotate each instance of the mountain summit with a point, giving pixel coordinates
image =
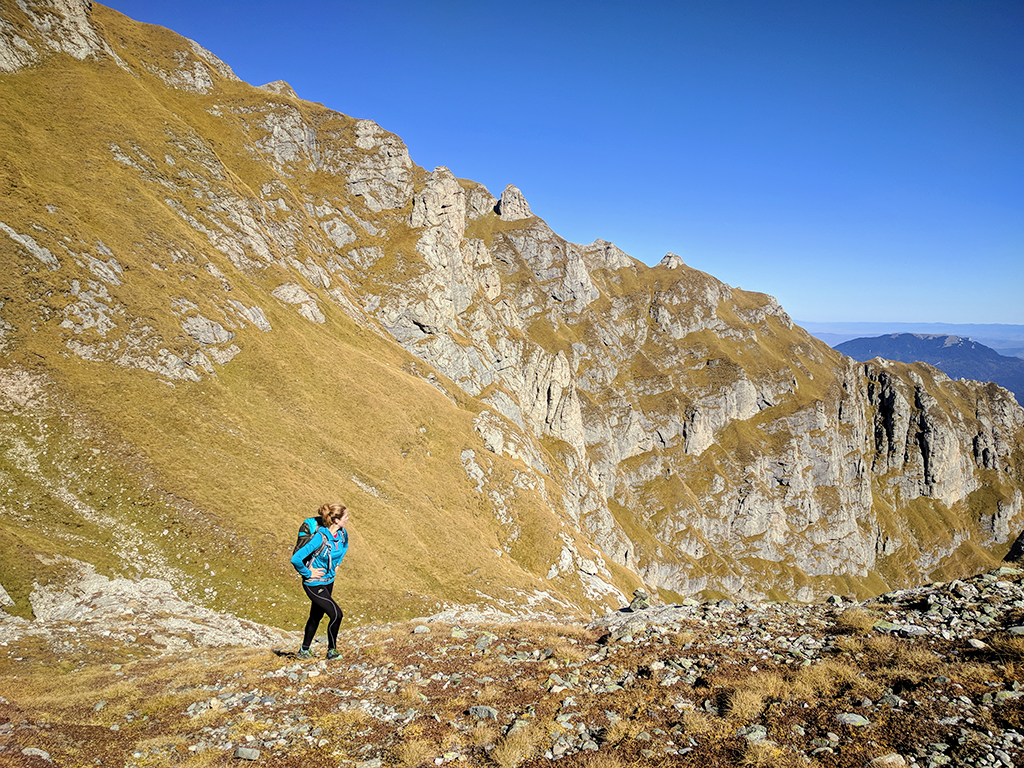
(224, 305)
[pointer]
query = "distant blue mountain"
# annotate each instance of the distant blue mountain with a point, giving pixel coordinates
(956, 356)
(1004, 338)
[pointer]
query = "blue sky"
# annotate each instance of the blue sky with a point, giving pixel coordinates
(860, 161)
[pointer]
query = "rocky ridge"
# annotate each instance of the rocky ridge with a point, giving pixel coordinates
(627, 422)
(928, 676)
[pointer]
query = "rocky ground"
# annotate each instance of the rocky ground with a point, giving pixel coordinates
(929, 677)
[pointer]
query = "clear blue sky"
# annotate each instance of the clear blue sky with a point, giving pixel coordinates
(859, 160)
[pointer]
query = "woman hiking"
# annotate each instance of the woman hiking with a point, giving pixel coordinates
(315, 560)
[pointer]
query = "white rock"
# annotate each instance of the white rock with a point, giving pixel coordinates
(513, 205)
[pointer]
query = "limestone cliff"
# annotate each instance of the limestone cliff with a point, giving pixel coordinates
(222, 256)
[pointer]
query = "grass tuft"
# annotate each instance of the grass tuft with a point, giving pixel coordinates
(855, 621)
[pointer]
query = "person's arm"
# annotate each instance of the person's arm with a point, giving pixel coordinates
(301, 554)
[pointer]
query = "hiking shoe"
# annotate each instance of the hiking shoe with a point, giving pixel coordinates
(304, 653)
(333, 653)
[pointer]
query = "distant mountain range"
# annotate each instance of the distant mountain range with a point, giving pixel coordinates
(956, 356)
(1004, 338)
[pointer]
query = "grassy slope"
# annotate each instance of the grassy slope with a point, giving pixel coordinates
(304, 414)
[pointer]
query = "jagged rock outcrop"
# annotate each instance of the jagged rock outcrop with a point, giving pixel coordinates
(652, 418)
(513, 206)
(281, 88)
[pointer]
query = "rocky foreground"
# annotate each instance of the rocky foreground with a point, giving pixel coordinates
(108, 675)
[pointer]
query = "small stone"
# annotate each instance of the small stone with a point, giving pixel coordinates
(33, 752)
(977, 644)
(891, 760)
(753, 733)
(851, 718)
(485, 640)
(1016, 630)
(421, 629)
(641, 600)
(247, 753)
(1004, 696)
(912, 630)
(481, 712)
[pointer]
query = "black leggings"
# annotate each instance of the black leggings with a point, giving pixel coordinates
(322, 603)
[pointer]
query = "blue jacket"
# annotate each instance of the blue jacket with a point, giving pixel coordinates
(328, 559)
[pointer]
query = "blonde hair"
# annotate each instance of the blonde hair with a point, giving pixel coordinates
(330, 511)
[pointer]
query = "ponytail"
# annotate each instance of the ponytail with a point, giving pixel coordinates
(328, 512)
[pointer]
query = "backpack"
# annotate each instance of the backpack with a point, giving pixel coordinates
(307, 531)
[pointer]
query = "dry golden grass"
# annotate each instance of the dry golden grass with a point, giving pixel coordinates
(881, 647)
(829, 678)
(855, 621)
(47, 695)
(549, 632)
(679, 639)
(766, 754)
(623, 729)
(412, 753)
(771, 684)
(744, 704)
(410, 693)
(849, 645)
(1012, 672)
(702, 723)
(486, 665)
(567, 653)
(490, 692)
(251, 727)
(483, 735)
(164, 702)
(169, 749)
(517, 747)
(601, 760)
(891, 657)
(970, 672)
(916, 658)
(1008, 647)
(342, 721)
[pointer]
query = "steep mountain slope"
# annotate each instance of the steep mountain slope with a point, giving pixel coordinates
(957, 357)
(223, 305)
